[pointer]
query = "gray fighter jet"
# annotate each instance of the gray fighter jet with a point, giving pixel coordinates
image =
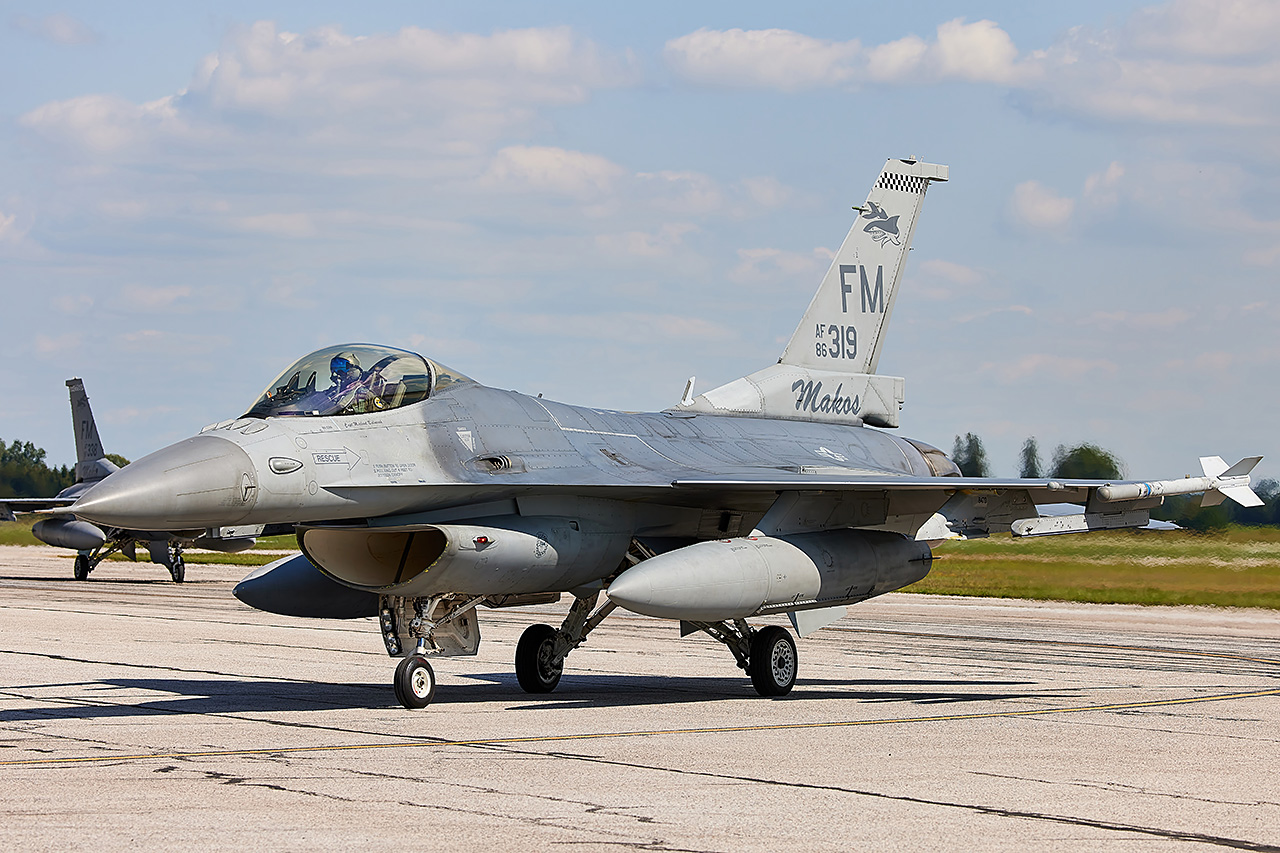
(95, 543)
(420, 495)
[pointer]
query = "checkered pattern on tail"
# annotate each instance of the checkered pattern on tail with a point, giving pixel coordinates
(902, 183)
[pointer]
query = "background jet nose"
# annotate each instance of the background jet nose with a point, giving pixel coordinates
(204, 481)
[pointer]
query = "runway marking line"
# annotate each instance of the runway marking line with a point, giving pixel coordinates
(499, 741)
(1044, 642)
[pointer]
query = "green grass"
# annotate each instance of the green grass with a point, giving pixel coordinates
(18, 532)
(1237, 568)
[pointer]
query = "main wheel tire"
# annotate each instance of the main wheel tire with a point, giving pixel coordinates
(535, 669)
(415, 682)
(177, 569)
(773, 661)
(82, 567)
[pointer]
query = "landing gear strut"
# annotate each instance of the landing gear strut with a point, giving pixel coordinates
(768, 655)
(542, 649)
(87, 561)
(177, 567)
(440, 625)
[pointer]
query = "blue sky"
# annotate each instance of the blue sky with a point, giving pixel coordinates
(595, 201)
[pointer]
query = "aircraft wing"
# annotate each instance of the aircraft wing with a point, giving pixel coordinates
(9, 506)
(968, 507)
(1062, 491)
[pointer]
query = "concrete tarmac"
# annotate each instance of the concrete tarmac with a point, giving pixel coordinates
(138, 712)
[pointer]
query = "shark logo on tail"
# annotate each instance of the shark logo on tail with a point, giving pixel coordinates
(883, 228)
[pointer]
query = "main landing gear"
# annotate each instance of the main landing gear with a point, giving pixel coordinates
(166, 553)
(170, 556)
(767, 654)
(447, 625)
(542, 649)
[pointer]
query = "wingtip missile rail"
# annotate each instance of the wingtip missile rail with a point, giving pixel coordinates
(1218, 483)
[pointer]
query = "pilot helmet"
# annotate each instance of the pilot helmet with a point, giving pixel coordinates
(342, 364)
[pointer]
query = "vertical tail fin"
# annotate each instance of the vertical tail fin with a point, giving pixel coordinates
(827, 372)
(91, 462)
(843, 329)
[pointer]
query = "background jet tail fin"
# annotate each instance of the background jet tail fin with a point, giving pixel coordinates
(91, 462)
(843, 329)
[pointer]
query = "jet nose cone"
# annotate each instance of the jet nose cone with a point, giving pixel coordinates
(204, 481)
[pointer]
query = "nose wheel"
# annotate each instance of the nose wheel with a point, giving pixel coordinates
(415, 682)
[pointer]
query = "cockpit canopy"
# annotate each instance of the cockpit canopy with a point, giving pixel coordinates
(352, 379)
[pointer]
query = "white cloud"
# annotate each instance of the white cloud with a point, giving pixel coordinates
(663, 242)
(1161, 320)
(767, 192)
(1100, 188)
(1060, 368)
(897, 60)
(769, 59)
(59, 344)
(1207, 28)
(789, 61)
(991, 312)
(1035, 205)
(523, 168)
(107, 123)
(980, 51)
(951, 271)
(770, 266)
(59, 28)
(7, 229)
(143, 298)
(159, 342)
(687, 193)
(606, 326)
(295, 225)
(74, 303)
(1199, 62)
(399, 95)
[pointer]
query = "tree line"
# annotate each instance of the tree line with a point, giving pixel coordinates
(24, 474)
(1090, 462)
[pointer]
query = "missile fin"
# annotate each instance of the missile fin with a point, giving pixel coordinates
(1243, 467)
(1213, 466)
(1213, 497)
(1242, 495)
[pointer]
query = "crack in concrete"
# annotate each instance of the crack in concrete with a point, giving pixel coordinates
(1120, 786)
(977, 808)
(588, 806)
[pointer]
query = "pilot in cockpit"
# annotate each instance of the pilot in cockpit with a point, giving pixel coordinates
(352, 389)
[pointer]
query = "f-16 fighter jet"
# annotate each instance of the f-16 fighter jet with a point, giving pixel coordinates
(94, 543)
(421, 495)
